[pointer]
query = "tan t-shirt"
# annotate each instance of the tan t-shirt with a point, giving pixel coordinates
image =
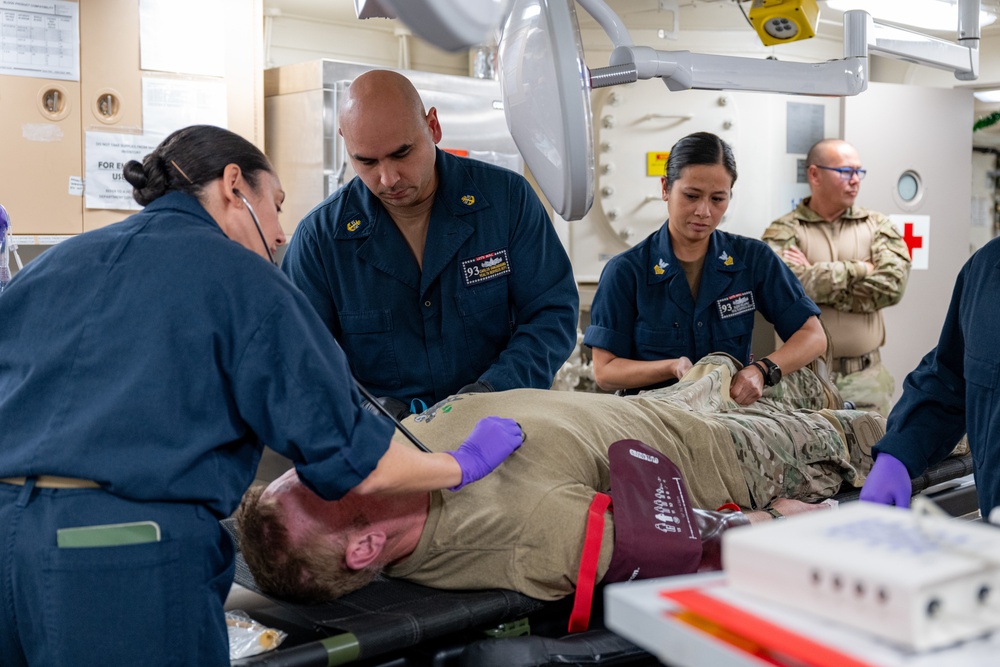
(522, 527)
(853, 333)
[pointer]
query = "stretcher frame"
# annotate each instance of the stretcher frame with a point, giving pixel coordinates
(394, 623)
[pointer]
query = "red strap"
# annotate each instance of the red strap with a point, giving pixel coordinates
(733, 507)
(583, 600)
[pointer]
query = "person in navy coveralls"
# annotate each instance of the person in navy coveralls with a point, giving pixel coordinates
(436, 274)
(690, 289)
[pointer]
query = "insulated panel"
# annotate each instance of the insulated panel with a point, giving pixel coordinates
(896, 129)
(110, 80)
(41, 139)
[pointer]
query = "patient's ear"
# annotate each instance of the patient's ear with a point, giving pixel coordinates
(363, 548)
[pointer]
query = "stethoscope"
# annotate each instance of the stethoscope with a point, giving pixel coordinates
(256, 223)
(364, 392)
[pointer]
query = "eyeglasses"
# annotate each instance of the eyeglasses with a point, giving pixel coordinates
(846, 173)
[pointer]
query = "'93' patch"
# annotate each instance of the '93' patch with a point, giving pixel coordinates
(479, 269)
(736, 304)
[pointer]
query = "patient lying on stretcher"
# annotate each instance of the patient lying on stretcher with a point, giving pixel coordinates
(522, 527)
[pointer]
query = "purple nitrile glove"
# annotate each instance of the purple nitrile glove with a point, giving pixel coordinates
(888, 482)
(491, 441)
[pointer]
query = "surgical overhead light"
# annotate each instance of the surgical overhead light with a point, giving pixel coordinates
(545, 86)
(783, 21)
(451, 25)
(923, 14)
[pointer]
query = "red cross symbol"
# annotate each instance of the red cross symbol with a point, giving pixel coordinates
(911, 240)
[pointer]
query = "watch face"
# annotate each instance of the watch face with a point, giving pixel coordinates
(773, 374)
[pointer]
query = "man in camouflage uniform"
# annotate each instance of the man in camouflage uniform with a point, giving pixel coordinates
(522, 527)
(852, 262)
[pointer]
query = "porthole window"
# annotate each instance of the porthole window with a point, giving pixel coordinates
(908, 186)
(909, 190)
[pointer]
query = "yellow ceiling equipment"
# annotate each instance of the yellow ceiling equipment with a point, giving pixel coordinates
(783, 21)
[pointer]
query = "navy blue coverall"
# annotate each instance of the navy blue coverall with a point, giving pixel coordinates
(496, 301)
(155, 357)
(644, 310)
(954, 388)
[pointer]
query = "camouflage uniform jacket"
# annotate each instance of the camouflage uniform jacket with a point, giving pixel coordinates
(848, 296)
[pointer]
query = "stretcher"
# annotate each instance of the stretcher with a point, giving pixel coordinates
(393, 623)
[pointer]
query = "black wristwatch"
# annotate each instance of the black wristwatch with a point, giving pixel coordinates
(770, 370)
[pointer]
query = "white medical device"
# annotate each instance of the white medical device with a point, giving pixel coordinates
(921, 581)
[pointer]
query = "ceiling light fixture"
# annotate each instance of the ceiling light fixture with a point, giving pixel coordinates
(988, 96)
(923, 14)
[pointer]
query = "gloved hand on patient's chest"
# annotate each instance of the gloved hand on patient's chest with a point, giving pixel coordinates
(491, 441)
(888, 482)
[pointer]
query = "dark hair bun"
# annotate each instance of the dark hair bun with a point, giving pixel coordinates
(135, 174)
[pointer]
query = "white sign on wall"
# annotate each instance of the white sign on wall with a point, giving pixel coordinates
(170, 40)
(40, 39)
(916, 231)
(106, 154)
(169, 104)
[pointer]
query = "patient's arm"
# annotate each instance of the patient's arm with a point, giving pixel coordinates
(788, 507)
(712, 524)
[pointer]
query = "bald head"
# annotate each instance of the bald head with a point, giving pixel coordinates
(390, 140)
(381, 89)
(824, 149)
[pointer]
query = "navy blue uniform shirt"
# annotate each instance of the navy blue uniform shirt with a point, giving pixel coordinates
(496, 301)
(954, 388)
(156, 356)
(643, 308)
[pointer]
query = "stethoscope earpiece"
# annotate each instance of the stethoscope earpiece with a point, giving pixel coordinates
(256, 223)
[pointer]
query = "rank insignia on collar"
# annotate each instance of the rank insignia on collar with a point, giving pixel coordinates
(468, 200)
(353, 225)
(726, 258)
(659, 268)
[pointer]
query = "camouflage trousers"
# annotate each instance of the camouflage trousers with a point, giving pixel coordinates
(869, 389)
(789, 444)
